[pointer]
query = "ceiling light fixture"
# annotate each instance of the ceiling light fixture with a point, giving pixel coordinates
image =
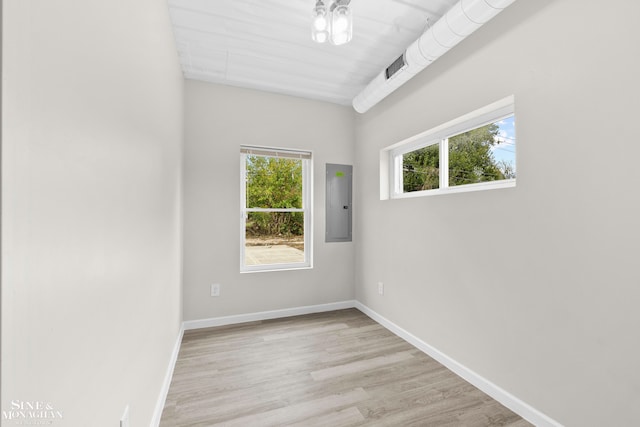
(335, 24)
(320, 28)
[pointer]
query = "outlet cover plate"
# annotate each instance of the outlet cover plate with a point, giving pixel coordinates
(215, 290)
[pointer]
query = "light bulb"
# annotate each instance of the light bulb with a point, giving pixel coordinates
(320, 37)
(320, 23)
(319, 29)
(341, 25)
(340, 38)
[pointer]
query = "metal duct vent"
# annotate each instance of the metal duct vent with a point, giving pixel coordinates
(460, 21)
(396, 66)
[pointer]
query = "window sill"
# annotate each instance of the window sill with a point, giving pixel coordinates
(493, 185)
(275, 267)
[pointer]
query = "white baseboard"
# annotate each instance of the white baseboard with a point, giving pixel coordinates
(265, 315)
(157, 413)
(504, 397)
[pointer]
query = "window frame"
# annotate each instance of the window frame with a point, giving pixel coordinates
(391, 157)
(306, 156)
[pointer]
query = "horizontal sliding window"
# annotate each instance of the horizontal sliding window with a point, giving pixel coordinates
(476, 152)
(421, 169)
(484, 154)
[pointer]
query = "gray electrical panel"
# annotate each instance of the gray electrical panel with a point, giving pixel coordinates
(338, 203)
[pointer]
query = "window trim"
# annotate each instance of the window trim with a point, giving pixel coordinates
(307, 205)
(391, 157)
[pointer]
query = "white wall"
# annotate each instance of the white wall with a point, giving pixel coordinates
(535, 288)
(218, 119)
(92, 131)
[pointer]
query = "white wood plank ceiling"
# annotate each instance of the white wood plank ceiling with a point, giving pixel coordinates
(266, 44)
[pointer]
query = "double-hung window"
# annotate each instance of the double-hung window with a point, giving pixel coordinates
(275, 209)
(474, 152)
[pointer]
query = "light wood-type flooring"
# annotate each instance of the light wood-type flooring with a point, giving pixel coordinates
(329, 369)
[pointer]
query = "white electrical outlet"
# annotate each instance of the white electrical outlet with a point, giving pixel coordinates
(380, 288)
(215, 290)
(124, 421)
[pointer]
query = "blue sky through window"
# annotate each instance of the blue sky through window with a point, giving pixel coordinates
(505, 149)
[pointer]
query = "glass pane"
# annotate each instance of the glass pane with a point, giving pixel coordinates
(421, 169)
(274, 238)
(273, 182)
(487, 153)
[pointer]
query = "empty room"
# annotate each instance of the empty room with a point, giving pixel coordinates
(320, 213)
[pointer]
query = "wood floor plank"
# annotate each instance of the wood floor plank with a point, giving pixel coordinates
(298, 412)
(335, 369)
(361, 365)
(344, 418)
(305, 332)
